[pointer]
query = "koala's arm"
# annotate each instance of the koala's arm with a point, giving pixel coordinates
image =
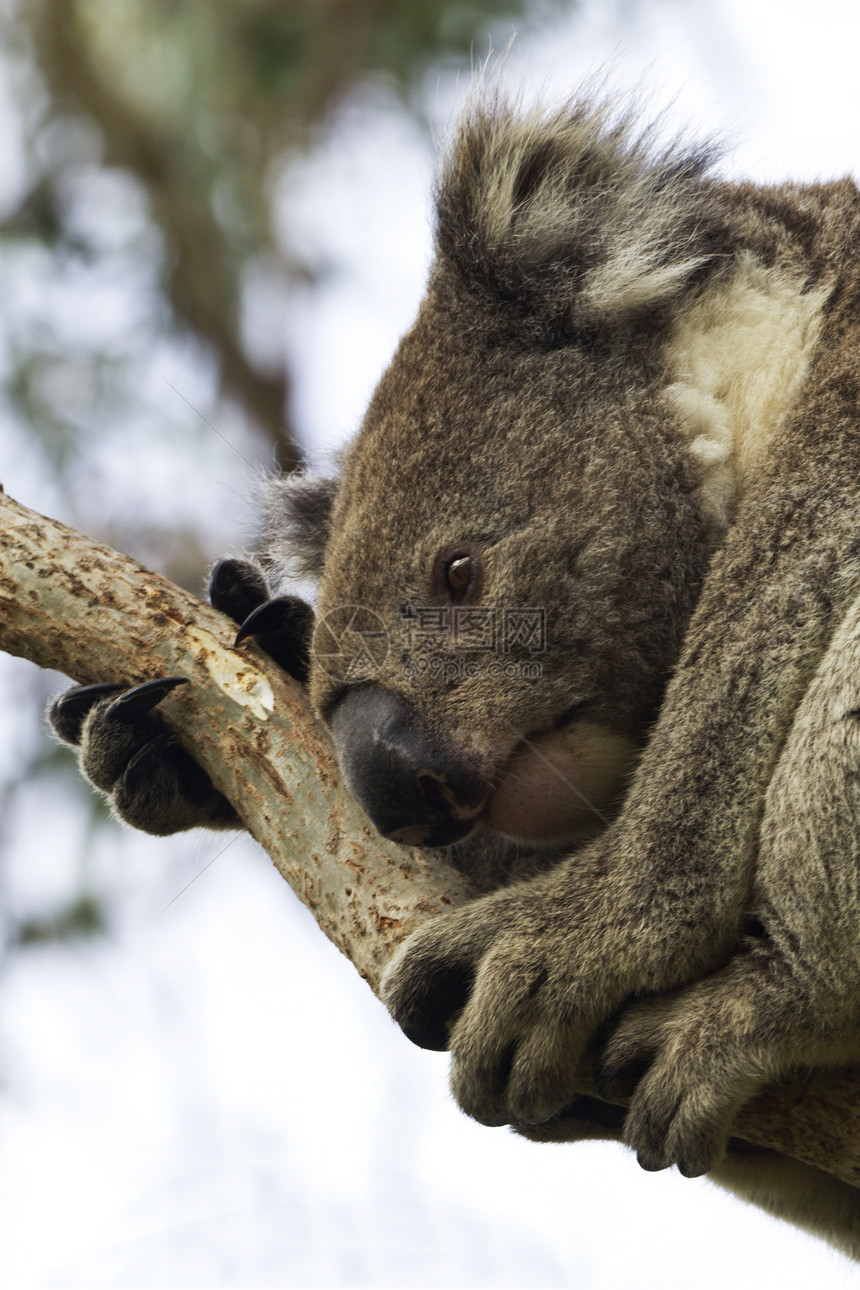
(127, 752)
(518, 984)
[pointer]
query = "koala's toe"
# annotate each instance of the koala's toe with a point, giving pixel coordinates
(117, 727)
(163, 791)
(543, 1077)
(144, 795)
(236, 588)
(283, 629)
(699, 1151)
(515, 1059)
(646, 1130)
(630, 1050)
(70, 710)
(480, 1078)
(679, 1119)
(425, 987)
(698, 1134)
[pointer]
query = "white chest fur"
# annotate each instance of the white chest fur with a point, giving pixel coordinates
(737, 359)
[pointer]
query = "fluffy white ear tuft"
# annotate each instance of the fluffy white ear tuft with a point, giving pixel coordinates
(576, 214)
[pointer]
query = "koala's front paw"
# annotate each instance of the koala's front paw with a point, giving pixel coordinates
(496, 982)
(127, 751)
(585, 1119)
(282, 627)
(700, 1068)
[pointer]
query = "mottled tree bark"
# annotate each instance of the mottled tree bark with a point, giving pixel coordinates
(73, 605)
(70, 604)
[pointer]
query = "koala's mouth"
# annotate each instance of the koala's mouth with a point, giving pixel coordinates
(558, 783)
(553, 786)
(556, 786)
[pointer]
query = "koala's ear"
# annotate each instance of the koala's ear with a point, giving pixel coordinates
(296, 524)
(575, 216)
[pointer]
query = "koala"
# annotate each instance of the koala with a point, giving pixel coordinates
(588, 621)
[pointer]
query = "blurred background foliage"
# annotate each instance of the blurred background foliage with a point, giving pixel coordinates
(149, 150)
(213, 227)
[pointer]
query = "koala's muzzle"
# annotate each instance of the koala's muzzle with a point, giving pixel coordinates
(414, 790)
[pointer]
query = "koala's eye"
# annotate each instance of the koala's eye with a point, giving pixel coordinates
(459, 573)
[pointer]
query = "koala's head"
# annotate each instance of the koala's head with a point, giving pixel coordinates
(509, 557)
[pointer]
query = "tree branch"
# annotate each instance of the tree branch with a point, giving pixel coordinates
(73, 605)
(70, 604)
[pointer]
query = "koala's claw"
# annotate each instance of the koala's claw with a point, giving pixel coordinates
(140, 699)
(282, 628)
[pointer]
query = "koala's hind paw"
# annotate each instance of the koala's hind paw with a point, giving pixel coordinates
(698, 1076)
(282, 627)
(128, 752)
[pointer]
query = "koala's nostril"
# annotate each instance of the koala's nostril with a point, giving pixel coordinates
(414, 790)
(432, 790)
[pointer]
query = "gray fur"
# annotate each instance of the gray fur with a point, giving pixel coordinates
(570, 407)
(296, 514)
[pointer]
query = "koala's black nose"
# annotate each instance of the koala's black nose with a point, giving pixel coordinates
(414, 790)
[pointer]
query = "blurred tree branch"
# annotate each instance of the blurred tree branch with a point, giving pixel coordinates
(203, 271)
(206, 106)
(70, 604)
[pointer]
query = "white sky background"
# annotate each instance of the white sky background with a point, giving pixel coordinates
(211, 1096)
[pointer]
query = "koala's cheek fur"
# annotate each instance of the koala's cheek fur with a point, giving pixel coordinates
(556, 783)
